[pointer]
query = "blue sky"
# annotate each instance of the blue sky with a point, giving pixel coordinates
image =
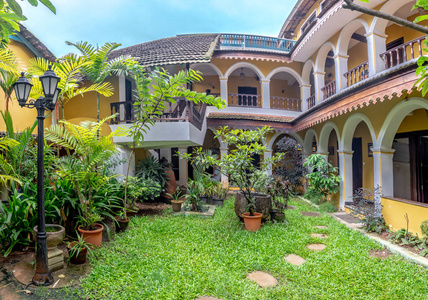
(131, 22)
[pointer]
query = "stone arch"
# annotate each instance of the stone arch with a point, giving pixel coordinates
(349, 129)
(322, 56)
(394, 119)
(214, 67)
(346, 34)
(243, 64)
(276, 135)
(307, 144)
(306, 71)
(325, 135)
(287, 70)
(390, 7)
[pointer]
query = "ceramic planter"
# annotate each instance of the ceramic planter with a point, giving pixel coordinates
(218, 202)
(273, 214)
(121, 224)
(252, 223)
(77, 259)
(280, 217)
(94, 237)
(55, 235)
(176, 205)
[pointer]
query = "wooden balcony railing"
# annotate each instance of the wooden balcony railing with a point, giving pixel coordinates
(311, 101)
(245, 100)
(357, 74)
(254, 42)
(403, 53)
(286, 103)
(329, 89)
(184, 111)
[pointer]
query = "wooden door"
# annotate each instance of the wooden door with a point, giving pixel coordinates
(424, 169)
(357, 163)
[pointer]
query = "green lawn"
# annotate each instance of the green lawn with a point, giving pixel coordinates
(177, 257)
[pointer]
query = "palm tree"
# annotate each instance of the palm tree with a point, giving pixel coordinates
(7, 173)
(8, 73)
(99, 66)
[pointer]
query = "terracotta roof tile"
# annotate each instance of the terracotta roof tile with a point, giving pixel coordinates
(257, 117)
(174, 50)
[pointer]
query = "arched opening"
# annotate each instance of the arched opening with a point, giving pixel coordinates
(285, 92)
(211, 79)
(325, 71)
(329, 143)
(310, 144)
(308, 81)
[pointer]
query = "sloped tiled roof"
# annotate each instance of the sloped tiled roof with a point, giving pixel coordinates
(36, 43)
(256, 117)
(175, 50)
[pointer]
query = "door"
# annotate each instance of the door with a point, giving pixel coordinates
(245, 98)
(128, 98)
(424, 169)
(357, 163)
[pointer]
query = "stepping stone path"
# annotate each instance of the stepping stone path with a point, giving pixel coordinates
(291, 207)
(321, 227)
(316, 247)
(319, 235)
(262, 279)
(208, 298)
(295, 259)
(311, 214)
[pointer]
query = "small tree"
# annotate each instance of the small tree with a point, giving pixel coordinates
(323, 178)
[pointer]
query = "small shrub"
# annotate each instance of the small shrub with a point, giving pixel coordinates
(424, 228)
(328, 207)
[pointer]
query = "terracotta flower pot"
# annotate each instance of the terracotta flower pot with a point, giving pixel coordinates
(94, 237)
(252, 223)
(77, 259)
(262, 203)
(176, 205)
(121, 224)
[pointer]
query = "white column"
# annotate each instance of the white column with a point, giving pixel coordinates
(121, 170)
(223, 89)
(182, 168)
(265, 93)
(165, 153)
(319, 84)
(340, 68)
(305, 93)
(268, 155)
(223, 151)
(345, 172)
(383, 170)
(122, 96)
(376, 45)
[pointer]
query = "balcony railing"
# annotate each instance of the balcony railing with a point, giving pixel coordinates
(403, 53)
(245, 100)
(329, 89)
(311, 101)
(184, 111)
(254, 43)
(357, 74)
(286, 103)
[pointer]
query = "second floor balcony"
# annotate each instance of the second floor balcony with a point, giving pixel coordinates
(248, 42)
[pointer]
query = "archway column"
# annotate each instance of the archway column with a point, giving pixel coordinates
(319, 84)
(223, 152)
(383, 170)
(305, 92)
(122, 96)
(376, 45)
(268, 155)
(223, 89)
(182, 167)
(265, 93)
(345, 172)
(341, 67)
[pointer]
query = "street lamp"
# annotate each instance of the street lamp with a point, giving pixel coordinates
(22, 90)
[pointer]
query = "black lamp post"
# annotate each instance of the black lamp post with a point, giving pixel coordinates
(22, 90)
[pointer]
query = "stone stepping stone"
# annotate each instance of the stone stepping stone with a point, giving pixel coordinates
(311, 214)
(316, 247)
(321, 227)
(262, 279)
(291, 207)
(207, 298)
(295, 259)
(319, 235)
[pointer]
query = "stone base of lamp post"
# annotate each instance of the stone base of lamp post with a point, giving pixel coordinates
(55, 260)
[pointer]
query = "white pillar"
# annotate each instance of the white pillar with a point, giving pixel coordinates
(166, 153)
(340, 68)
(223, 89)
(305, 93)
(345, 172)
(182, 168)
(121, 170)
(223, 151)
(319, 84)
(376, 45)
(383, 170)
(268, 155)
(122, 96)
(265, 93)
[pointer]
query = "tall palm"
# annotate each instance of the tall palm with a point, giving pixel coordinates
(69, 71)
(8, 73)
(7, 172)
(99, 65)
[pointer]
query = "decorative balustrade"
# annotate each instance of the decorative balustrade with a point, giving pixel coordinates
(183, 111)
(311, 101)
(357, 74)
(286, 103)
(254, 42)
(329, 89)
(403, 53)
(245, 100)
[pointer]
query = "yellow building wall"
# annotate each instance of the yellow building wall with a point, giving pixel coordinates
(357, 55)
(206, 84)
(140, 154)
(290, 91)
(415, 122)
(393, 212)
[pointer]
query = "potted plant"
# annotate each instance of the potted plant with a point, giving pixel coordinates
(78, 250)
(279, 191)
(176, 201)
(219, 194)
(194, 190)
(121, 221)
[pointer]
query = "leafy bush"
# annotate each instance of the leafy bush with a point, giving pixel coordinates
(328, 207)
(151, 169)
(279, 192)
(142, 189)
(368, 206)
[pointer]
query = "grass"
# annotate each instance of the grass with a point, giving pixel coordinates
(178, 257)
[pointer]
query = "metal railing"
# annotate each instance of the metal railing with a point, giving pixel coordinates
(403, 53)
(255, 42)
(329, 89)
(245, 100)
(357, 74)
(286, 103)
